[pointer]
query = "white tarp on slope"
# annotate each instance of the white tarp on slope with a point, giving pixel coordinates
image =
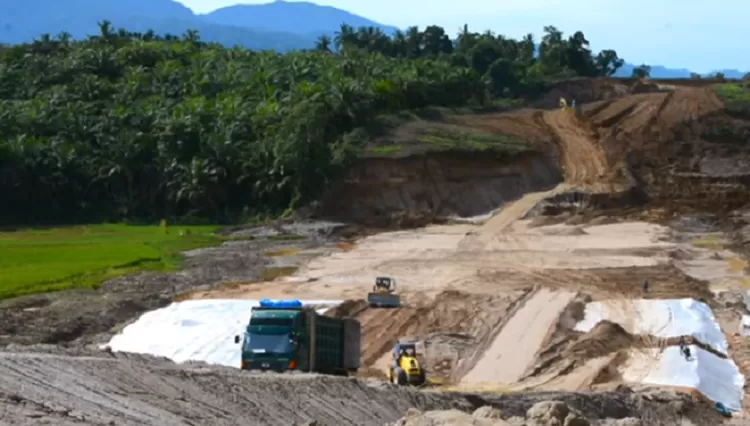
(744, 328)
(717, 378)
(661, 318)
(194, 330)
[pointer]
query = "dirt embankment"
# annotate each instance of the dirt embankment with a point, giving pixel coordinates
(670, 143)
(436, 185)
(99, 388)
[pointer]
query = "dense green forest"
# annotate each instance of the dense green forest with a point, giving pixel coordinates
(138, 126)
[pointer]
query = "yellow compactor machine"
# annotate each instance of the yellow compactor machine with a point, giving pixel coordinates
(405, 368)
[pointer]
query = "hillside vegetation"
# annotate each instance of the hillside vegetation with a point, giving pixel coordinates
(128, 125)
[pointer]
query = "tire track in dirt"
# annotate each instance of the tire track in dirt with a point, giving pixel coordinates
(581, 157)
(662, 105)
(139, 390)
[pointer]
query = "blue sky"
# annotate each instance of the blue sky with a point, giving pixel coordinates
(676, 34)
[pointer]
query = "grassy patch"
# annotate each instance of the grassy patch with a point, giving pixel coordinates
(728, 133)
(713, 241)
(736, 97)
(435, 113)
(433, 129)
(386, 150)
(286, 237)
(473, 141)
(272, 273)
(33, 261)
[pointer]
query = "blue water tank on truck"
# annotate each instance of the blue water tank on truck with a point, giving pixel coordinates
(285, 335)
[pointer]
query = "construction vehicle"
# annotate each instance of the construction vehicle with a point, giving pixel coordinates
(405, 368)
(285, 335)
(383, 294)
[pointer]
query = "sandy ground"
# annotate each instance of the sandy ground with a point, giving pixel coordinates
(429, 260)
(515, 347)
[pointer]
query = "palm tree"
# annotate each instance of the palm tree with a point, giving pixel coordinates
(105, 30)
(344, 36)
(323, 44)
(192, 36)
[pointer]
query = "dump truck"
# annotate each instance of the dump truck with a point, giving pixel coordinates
(383, 294)
(405, 368)
(287, 336)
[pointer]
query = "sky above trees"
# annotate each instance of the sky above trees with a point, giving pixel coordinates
(677, 34)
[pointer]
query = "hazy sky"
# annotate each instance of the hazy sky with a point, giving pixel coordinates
(677, 34)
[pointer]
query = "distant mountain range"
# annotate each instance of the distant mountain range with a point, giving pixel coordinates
(279, 25)
(297, 18)
(658, 71)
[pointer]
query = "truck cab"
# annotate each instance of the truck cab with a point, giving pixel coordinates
(275, 338)
(285, 335)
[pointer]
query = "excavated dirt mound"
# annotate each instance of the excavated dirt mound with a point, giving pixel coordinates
(447, 328)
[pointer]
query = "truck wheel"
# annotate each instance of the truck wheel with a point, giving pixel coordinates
(422, 379)
(402, 379)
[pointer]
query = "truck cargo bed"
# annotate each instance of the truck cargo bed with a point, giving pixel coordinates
(352, 344)
(329, 344)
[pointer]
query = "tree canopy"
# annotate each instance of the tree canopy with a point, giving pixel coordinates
(129, 125)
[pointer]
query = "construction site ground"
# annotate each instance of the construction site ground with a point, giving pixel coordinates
(625, 190)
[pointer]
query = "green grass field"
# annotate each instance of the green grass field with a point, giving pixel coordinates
(39, 260)
(736, 97)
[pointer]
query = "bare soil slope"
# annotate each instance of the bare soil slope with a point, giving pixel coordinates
(660, 138)
(97, 389)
